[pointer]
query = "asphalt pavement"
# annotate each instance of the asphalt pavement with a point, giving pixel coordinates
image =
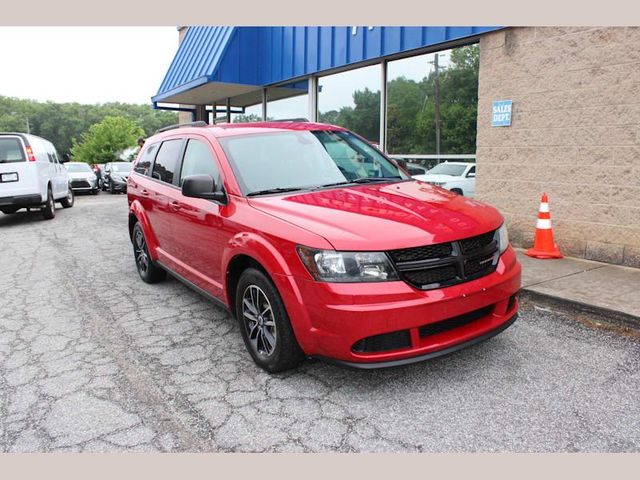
(93, 359)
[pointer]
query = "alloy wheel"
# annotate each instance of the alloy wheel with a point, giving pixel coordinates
(142, 257)
(259, 320)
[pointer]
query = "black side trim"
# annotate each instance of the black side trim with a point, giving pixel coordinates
(421, 358)
(193, 286)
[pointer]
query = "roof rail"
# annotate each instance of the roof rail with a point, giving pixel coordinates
(300, 119)
(199, 123)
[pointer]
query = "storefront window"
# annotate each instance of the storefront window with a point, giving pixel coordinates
(412, 103)
(352, 100)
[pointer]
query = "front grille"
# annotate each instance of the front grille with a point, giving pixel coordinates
(381, 343)
(445, 264)
(421, 253)
(454, 322)
(432, 275)
(472, 244)
(79, 184)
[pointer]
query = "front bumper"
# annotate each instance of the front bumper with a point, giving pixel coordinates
(333, 321)
(21, 201)
(118, 186)
(83, 185)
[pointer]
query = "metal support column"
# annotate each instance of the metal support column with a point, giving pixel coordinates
(313, 99)
(228, 110)
(383, 106)
(264, 104)
(201, 113)
(214, 113)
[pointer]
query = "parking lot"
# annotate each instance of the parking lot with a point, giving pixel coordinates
(93, 359)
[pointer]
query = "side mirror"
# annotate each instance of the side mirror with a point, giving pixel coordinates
(471, 175)
(201, 186)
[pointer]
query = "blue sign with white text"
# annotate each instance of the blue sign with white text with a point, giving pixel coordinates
(501, 113)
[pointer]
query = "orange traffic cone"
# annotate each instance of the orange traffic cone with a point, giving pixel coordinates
(544, 246)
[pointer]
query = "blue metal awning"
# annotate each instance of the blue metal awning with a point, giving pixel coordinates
(216, 63)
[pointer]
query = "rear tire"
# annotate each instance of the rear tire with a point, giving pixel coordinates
(264, 323)
(457, 190)
(49, 209)
(149, 272)
(67, 202)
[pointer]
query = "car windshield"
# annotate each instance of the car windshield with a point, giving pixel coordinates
(121, 167)
(292, 160)
(78, 167)
(448, 169)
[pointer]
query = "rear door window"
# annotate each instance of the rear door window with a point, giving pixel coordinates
(11, 150)
(143, 165)
(166, 164)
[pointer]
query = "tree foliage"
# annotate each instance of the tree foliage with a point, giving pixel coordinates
(104, 141)
(411, 127)
(61, 123)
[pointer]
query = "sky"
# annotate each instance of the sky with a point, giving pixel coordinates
(85, 64)
(127, 64)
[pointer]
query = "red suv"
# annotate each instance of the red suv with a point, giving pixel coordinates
(319, 244)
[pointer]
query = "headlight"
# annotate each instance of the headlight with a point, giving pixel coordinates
(503, 238)
(347, 267)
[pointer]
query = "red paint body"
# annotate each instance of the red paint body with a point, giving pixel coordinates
(198, 239)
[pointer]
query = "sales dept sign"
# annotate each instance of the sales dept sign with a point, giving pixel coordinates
(501, 113)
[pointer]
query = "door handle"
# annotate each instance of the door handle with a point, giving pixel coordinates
(144, 193)
(174, 206)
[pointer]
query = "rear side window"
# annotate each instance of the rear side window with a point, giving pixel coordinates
(11, 150)
(198, 160)
(143, 165)
(165, 166)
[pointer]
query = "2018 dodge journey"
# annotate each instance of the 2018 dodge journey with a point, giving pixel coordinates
(320, 245)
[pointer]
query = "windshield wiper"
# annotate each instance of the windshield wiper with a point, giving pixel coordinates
(274, 190)
(360, 180)
(375, 179)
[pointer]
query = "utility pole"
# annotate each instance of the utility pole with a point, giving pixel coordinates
(437, 100)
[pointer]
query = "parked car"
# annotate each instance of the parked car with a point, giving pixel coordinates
(319, 245)
(116, 175)
(416, 169)
(458, 177)
(32, 175)
(82, 177)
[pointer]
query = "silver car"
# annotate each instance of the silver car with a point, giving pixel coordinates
(82, 177)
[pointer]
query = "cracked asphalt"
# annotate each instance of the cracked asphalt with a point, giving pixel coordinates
(93, 359)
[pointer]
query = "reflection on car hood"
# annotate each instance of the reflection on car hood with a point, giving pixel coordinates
(433, 177)
(383, 217)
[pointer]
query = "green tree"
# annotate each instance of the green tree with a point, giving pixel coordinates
(61, 123)
(105, 140)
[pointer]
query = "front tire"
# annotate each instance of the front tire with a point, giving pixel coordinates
(49, 209)
(149, 272)
(67, 202)
(264, 323)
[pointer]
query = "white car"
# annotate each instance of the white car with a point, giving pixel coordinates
(32, 175)
(459, 177)
(82, 177)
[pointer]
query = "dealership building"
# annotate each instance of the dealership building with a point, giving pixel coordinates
(558, 109)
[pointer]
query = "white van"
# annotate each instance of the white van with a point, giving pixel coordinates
(32, 175)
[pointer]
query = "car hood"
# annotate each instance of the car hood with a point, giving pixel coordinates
(81, 175)
(437, 178)
(383, 217)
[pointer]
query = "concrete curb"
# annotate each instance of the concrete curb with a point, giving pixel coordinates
(604, 315)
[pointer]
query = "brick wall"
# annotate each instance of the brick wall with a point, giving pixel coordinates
(575, 134)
